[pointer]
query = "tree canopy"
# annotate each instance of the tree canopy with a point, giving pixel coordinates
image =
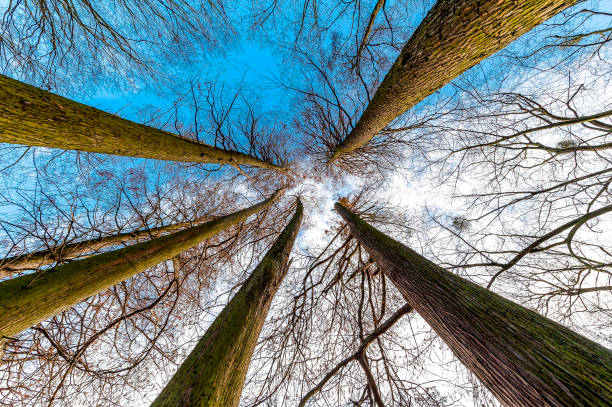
(152, 154)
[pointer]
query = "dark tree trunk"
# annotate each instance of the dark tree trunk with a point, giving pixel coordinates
(32, 298)
(524, 359)
(214, 372)
(454, 36)
(34, 117)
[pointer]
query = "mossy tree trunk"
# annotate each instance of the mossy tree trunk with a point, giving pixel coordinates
(524, 359)
(34, 260)
(454, 36)
(30, 299)
(214, 372)
(35, 117)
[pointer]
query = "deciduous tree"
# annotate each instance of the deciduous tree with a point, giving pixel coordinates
(29, 299)
(454, 36)
(34, 117)
(523, 358)
(214, 372)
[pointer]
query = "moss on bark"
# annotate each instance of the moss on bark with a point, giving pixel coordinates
(214, 372)
(34, 260)
(30, 299)
(34, 117)
(454, 36)
(524, 359)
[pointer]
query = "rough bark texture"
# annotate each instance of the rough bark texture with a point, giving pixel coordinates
(214, 372)
(34, 260)
(524, 359)
(34, 117)
(454, 36)
(30, 299)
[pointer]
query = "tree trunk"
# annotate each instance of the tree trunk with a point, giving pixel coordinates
(34, 260)
(214, 372)
(30, 299)
(35, 117)
(366, 35)
(524, 359)
(454, 36)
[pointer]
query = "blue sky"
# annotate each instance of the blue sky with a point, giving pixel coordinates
(254, 63)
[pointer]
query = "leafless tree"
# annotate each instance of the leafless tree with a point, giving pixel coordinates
(44, 42)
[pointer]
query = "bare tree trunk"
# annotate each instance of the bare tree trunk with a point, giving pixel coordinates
(35, 117)
(366, 35)
(214, 372)
(34, 260)
(30, 299)
(454, 36)
(524, 359)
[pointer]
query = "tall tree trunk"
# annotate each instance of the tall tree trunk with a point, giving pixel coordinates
(524, 359)
(31, 261)
(30, 299)
(454, 36)
(35, 117)
(214, 372)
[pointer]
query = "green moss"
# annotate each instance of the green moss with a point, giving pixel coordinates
(27, 300)
(13, 265)
(34, 117)
(524, 358)
(214, 372)
(454, 36)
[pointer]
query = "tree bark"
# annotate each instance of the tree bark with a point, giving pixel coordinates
(454, 36)
(34, 117)
(214, 372)
(524, 359)
(34, 260)
(30, 299)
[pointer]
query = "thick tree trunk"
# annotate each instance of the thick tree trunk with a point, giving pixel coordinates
(30, 299)
(34, 117)
(34, 260)
(454, 36)
(524, 359)
(214, 372)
